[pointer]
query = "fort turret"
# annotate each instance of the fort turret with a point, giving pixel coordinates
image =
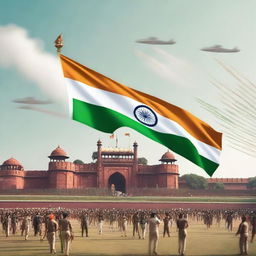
(11, 175)
(168, 171)
(61, 173)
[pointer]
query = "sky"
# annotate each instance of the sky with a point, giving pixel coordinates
(102, 35)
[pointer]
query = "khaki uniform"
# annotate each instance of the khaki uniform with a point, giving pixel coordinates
(65, 235)
(25, 227)
(153, 224)
(243, 231)
(182, 225)
(51, 228)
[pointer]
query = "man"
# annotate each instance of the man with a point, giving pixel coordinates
(153, 223)
(135, 224)
(65, 233)
(123, 224)
(100, 222)
(143, 224)
(84, 223)
(182, 225)
(37, 224)
(6, 224)
(229, 221)
(50, 232)
(243, 231)
(14, 223)
(167, 221)
(25, 224)
(253, 222)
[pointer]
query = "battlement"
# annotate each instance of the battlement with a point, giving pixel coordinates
(37, 174)
(61, 166)
(85, 167)
(8, 173)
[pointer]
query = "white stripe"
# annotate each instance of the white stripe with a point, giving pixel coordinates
(125, 105)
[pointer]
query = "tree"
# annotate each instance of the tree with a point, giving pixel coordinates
(218, 186)
(78, 161)
(142, 160)
(195, 181)
(252, 183)
(94, 155)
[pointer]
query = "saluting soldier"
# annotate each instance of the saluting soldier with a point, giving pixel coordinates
(182, 225)
(66, 233)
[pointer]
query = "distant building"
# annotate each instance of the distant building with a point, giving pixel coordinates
(113, 166)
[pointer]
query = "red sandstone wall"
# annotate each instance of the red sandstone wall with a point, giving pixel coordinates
(11, 182)
(86, 180)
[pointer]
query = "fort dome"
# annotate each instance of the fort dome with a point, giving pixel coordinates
(11, 164)
(168, 157)
(12, 161)
(58, 152)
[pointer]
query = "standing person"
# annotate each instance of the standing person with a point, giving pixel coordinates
(243, 231)
(253, 222)
(153, 223)
(50, 232)
(25, 224)
(37, 223)
(6, 224)
(182, 225)
(65, 233)
(123, 225)
(135, 224)
(143, 224)
(166, 221)
(229, 221)
(14, 223)
(84, 223)
(100, 222)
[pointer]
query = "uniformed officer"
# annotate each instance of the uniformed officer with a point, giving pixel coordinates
(166, 221)
(182, 225)
(66, 233)
(153, 223)
(50, 232)
(84, 223)
(243, 231)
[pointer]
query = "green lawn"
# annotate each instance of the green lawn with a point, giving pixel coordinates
(60, 198)
(201, 242)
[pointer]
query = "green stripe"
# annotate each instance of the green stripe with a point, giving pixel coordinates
(107, 120)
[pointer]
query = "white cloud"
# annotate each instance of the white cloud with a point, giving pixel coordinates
(27, 55)
(175, 70)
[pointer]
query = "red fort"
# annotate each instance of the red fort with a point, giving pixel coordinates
(112, 166)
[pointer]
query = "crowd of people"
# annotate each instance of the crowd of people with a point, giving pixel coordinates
(49, 223)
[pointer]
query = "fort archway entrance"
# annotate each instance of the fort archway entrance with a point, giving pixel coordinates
(118, 180)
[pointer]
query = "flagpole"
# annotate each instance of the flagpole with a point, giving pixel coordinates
(59, 44)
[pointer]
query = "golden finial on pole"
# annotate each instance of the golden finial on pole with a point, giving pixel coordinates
(59, 43)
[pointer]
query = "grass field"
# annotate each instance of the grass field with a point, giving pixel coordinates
(201, 242)
(60, 198)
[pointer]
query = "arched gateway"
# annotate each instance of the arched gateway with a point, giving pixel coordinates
(118, 180)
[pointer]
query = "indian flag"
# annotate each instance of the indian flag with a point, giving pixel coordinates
(107, 105)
